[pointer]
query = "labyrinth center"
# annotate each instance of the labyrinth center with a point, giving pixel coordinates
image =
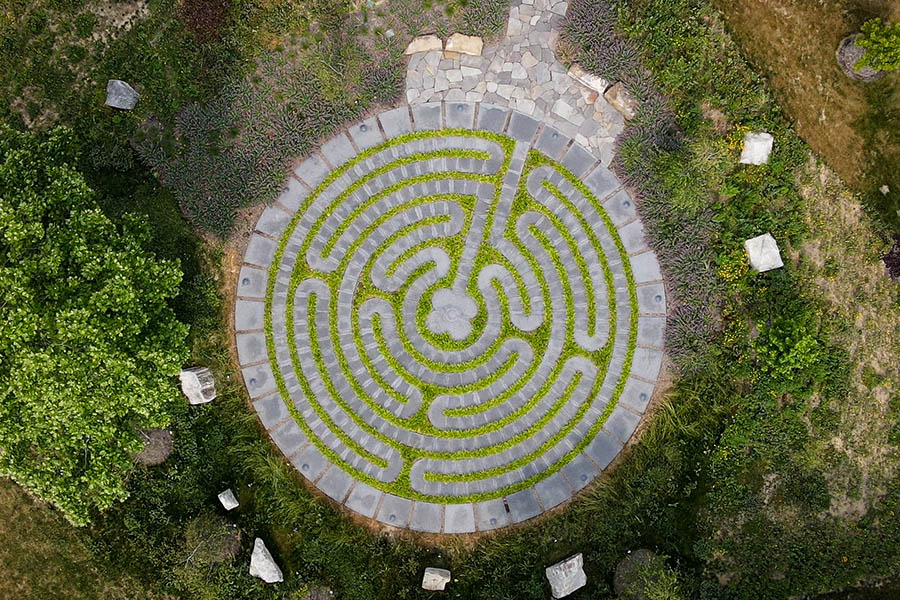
(450, 320)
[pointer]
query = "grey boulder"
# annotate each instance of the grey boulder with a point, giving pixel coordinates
(121, 95)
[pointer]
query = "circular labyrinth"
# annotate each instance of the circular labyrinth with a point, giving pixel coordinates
(450, 320)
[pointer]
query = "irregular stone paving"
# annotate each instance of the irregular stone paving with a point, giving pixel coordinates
(365, 262)
(521, 72)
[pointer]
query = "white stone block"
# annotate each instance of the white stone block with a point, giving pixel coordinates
(757, 148)
(198, 385)
(763, 252)
(435, 579)
(567, 576)
(594, 82)
(228, 499)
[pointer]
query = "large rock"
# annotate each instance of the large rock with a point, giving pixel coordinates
(567, 576)
(595, 82)
(435, 579)
(228, 499)
(262, 564)
(465, 44)
(198, 385)
(763, 252)
(621, 100)
(424, 43)
(121, 95)
(757, 148)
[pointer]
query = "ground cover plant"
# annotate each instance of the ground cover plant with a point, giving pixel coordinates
(737, 479)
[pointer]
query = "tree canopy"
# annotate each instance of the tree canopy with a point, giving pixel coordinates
(88, 341)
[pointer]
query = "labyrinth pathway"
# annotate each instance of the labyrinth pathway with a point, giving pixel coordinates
(450, 320)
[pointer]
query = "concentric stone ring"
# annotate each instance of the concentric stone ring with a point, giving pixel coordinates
(450, 320)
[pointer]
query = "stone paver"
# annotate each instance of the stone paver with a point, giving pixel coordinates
(513, 429)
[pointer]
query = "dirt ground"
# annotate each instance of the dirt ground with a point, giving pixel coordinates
(854, 126)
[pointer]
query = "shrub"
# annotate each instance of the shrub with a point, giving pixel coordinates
(88, 342)
(882, 44)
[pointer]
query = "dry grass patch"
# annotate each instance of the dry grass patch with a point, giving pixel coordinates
(841, 262)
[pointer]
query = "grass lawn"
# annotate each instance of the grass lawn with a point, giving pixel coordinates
(854, 126)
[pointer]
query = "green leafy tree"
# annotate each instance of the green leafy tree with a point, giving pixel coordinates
(882, 44)
(88, 342)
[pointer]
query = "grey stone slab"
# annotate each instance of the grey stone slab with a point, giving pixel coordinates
(603, 449)
(645, 267)
(271, 410)
(651, 331)
(366, 134)
(651, 299)
(252, 282)
(491, 514)
(636, 394)
(395, 122)
(620, 208)
(460, 114)
(578, 160)
(364, 499)
(602, 183)
(427, 116)
(293, 194)
(260, 251)
(288, 437)
(523, 505)
(580, 471)
(312, 171)
(553, 491)
(273, 221)
(522, 127)
(259, 380)
(249, 315)
(492, 117)
(335, 483)
(119, 94)
(251, 347)
(394, 511)
(338, 150)
(633, 238)
(310, 462)
(622, 423)
(552, 142)
(427, 517)
(646, 363)
(459, 518)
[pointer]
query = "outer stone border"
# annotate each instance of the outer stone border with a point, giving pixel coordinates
(256, 357)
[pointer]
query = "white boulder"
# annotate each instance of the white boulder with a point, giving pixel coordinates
(763, 253)
(435, 579)
(757, 148)
(567, 576)
(198, 385)
(262, 565)
(424, 43)
(228, 499)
